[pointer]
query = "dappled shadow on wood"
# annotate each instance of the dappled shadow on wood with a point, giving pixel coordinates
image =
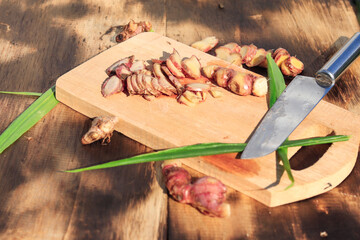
(49, 59)
(104, 196)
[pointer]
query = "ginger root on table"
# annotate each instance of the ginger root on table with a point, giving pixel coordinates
(132, 29)
(101, 128)
(207, 194)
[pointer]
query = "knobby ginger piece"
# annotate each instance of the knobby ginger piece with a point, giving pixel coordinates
(101, 128)
(177, 182)
(207, 194)
(132, 29)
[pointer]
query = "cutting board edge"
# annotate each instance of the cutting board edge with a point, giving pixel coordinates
(277, 197)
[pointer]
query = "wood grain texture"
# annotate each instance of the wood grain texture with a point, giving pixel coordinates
(45, 40)
(41, 40)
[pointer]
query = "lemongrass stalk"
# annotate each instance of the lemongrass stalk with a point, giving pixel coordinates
(276, 87)
(23, 93)
(283, 155)
(276, 80)
(37, 110)
(204, 149)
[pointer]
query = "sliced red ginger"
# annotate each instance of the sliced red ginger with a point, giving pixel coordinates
(111, 86)
(127, 62)
(192, 67)
(174, 64)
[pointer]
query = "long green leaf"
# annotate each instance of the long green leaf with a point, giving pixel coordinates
(314, 141)
(204, 149)
(277, 86)
(23, 93)
(39, 108)
(283, 155)
(276, 80)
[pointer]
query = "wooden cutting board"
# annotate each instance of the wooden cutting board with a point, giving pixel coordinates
(164, 123)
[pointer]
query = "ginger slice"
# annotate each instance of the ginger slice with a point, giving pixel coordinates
(111, 86)
(206, 44)
(192, 67)
(292, 66)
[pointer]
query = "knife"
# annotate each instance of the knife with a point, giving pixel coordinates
(297, 100)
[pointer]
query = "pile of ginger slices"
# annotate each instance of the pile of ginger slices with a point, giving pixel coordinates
(184, 78)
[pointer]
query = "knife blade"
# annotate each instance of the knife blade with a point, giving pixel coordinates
(297, 100)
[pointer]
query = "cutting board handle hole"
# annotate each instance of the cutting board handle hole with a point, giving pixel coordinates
(307, 156)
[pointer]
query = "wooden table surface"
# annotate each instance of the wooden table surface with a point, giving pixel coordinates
(41, 40)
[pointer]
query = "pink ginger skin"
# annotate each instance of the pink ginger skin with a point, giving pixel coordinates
(178, 182)
(207, 194)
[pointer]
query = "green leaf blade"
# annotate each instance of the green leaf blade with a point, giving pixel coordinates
(197, 150)
(204, 149)
(23, 93)
(283, 154)
(277, 86)
(314, 141)
(37, 110)
(276, 80)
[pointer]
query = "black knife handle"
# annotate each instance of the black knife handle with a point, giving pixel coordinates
(341, 60)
